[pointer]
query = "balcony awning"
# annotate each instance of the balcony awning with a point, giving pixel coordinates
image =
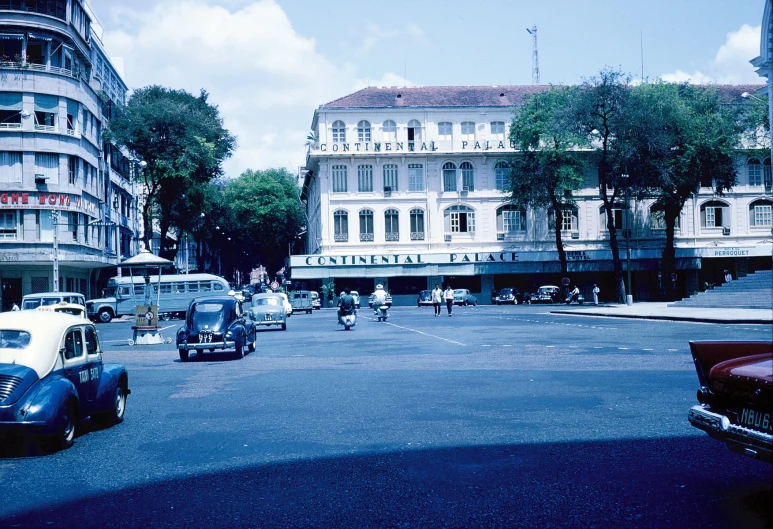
(6, 36)
(40, 37)
(10, 101)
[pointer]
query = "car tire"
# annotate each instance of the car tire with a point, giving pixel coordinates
(67, 426)
(466, 302)
(475, 303)
(183, 355)
(239, 350)
(284, 326)
(580, 302)
(115, 415)
(253, 344)
(104, 316)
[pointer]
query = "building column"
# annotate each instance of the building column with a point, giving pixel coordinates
(486, 287)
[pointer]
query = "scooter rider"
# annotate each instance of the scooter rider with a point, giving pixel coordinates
(379, 298)
(573, 295)
(345, 303)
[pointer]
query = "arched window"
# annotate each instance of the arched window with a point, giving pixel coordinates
(363, 131)
(501, 174)
(658, 219)
(417, 224)
(468, 176)
(754, 170)
(568, 219)
(761, 213)
(715, 214)
(511, 219)
(389, 131)
(339, 132)
(414, 130)
(341, 226)
(449, 176)
(392, 225)
(366, 225)
(459, 219)
(618, 217)
(340, 184)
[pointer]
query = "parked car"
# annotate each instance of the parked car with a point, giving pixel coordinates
(301, 301)
(511, 296)
(547, 294)
(52, 376)
(387, 301)
(356, 296)
(316, 303)
(735, 395)
(462, 296)
(215, 322)
(267, 310)
(42, 299)
(425, 298)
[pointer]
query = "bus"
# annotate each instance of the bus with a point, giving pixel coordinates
(177, 291)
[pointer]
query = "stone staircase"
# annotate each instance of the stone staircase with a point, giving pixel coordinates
(754, 291)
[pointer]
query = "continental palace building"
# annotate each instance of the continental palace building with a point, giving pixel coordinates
(66, 199)
(404, 187)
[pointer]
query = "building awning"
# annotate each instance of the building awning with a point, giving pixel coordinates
(10, 101)
(40, 37)
(6, 36)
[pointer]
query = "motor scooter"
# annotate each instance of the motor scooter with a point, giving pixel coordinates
(575, 297)
(382, 312)
(348, 320)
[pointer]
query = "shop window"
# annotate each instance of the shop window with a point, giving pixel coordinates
(449, 176)
(341, 226)
(761, 213)
(415, 177)
(459, 219)
(366, 225)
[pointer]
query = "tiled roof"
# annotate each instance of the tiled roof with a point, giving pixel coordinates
(465, 96)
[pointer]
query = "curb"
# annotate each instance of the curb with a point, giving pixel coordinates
(697, 319)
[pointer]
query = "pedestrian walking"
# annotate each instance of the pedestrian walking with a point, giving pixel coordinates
(437, 298)
(448, 295)
(728, 276)
(596, 291)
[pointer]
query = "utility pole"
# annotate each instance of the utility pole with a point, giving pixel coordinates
(55, 216)
(534, 56)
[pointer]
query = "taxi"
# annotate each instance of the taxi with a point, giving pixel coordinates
(52, 376)
(66, 308)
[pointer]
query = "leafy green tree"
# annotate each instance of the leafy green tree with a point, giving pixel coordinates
(549, 167)
(264, 215)
(689, 135)
(183, 141)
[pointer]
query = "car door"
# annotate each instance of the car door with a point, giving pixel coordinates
(94, 359)
(76, 367)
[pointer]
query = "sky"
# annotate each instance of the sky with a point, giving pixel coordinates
(268, 64)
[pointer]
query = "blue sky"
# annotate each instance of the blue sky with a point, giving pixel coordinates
(269, 63)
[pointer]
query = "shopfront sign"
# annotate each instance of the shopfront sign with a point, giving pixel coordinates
(36, 200)
(403, 259)
(412, 146)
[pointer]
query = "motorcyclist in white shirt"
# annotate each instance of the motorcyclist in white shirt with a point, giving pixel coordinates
(379, 298)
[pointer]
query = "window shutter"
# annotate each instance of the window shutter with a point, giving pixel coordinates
(703, 217)
(725, 217)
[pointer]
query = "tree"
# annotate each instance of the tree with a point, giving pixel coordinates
(549, 167)
(600, 115)
(689, 135)
(183, 141)
(264, 214)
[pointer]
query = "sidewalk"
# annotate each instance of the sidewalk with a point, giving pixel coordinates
(661, 311)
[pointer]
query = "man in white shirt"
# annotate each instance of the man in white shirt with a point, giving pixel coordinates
(437, 299)
(379, 298)
(448, 295)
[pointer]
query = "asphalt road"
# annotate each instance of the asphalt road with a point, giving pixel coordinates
(495, 417)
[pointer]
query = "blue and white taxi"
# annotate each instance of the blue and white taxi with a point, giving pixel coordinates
(52, 376)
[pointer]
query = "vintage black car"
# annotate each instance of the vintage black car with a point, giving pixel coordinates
(216, 323)
(425, 298)
(511, 296)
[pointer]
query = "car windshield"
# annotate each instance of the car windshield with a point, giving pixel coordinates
(267, 301)
(506, 291)
(30, 304)
(14, 339)
(544, 290)
(210, 314)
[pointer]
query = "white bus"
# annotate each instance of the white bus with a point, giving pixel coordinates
(177, 291)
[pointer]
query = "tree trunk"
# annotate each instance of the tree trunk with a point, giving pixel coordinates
(668, 262)
(557, 228)
(615, 247)
(147, 222)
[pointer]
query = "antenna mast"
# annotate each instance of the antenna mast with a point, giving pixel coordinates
(534, 56)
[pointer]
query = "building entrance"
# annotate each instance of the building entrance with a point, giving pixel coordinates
(10, 290)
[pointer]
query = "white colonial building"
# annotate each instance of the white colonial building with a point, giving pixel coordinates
(66, 198)
(404, 187)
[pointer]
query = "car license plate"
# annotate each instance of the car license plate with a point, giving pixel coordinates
(268, 317)
(205, 337)
(755, 419)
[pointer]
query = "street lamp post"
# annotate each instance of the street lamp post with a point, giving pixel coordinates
(627, 234)
(55, 216)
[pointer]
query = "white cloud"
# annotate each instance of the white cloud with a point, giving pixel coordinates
(376, 34)
(730, 64)
(388, 79)
(265, 77)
